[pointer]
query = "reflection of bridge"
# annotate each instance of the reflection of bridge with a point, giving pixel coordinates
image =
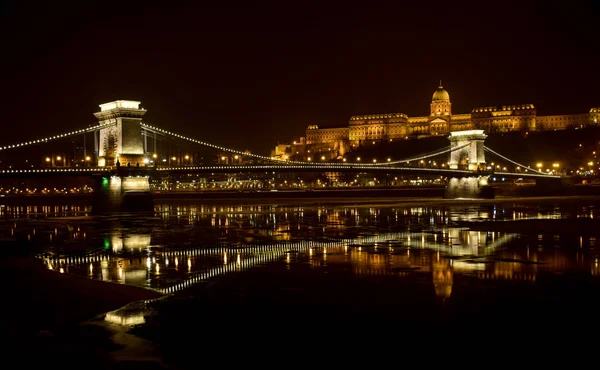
(122, 146)
(239, 257)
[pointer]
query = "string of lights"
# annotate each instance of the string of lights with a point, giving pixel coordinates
(218, 147)
(60, 136)
(307, 165)
(58, 170)
(428, 155)
(513, 162)
(271, 159)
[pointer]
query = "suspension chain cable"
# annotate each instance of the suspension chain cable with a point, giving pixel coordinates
(428, 155)
(513, 162)
(270, 159)
(60, 136)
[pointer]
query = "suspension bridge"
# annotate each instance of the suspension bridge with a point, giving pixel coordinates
(124, 148)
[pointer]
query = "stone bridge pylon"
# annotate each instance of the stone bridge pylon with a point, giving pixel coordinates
(121, 141)
(471, 156)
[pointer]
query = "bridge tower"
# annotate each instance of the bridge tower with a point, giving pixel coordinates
(122, 141)
(470, 157)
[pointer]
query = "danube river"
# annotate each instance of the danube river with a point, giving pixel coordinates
(220, 265)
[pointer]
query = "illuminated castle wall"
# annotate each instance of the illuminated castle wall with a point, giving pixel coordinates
(375, 128)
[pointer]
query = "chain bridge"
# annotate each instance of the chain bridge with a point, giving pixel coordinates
(125, 158)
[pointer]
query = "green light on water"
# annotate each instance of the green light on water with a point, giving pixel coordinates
(104, 182)
(106, 243)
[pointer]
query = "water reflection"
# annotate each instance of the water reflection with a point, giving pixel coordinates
(186, 244)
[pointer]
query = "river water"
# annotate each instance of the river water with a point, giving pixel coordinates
(220, 264)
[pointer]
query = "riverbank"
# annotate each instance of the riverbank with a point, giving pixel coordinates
(42, 312)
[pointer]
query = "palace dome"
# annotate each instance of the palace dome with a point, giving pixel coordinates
(440, 94)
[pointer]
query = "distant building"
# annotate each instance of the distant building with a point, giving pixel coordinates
(373, 129)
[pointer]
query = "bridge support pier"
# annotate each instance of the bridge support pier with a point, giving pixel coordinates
(469, 187)
(121, 193)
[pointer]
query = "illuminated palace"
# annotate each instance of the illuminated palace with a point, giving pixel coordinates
(375, 128)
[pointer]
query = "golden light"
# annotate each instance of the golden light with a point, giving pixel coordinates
(88, 158)
(344, 160)
(187, 156)
(222, 158)
(294, 143)
(58, 158)
(173, 158)
(308, 158)
(358, 159)
(539, 165)
(374, 160)
(389, 159)
(322, 157)
(555, 165)
(236, 156)
(154, 155)
(590, 163)
(47, 159)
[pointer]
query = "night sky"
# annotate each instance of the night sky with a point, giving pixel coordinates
(250, 76)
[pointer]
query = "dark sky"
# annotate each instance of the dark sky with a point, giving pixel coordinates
(249, 76)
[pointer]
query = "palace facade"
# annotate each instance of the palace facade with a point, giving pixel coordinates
(372, 129)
